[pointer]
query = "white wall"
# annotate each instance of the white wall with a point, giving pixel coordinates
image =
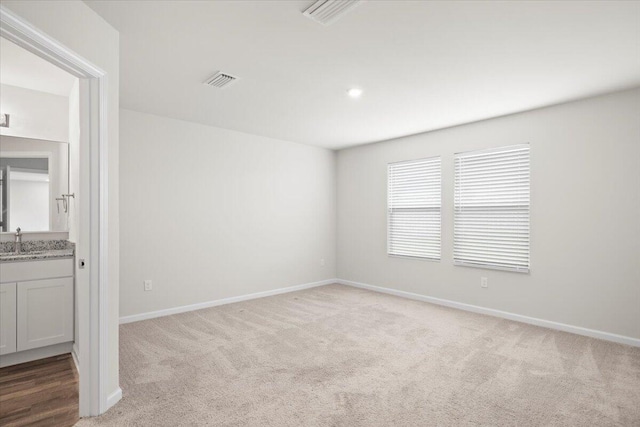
(78, 27)
(34, 114)
(208, 213)
(585, 228)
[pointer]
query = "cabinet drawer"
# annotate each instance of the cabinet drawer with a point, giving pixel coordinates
(35, 270)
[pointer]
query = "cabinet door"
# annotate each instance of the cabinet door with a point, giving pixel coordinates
(45, 312)
(7, 318)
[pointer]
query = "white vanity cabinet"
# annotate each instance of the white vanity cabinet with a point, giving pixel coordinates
(8, 318)
(36, 299)
(45, 312)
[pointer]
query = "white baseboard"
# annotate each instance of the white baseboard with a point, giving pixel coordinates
(35, 354)
(621, 339)
(201, 305)
(113, 398)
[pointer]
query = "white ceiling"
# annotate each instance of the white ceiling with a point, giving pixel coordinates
(423, 65)
(21, 68)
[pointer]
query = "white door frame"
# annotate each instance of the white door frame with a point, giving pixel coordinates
(92, 281)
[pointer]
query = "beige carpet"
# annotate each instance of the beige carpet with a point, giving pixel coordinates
(339, 356)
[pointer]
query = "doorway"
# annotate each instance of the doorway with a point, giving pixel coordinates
(92, 203)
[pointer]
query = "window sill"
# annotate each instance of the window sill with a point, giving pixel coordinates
(492, 267)
(414, 257)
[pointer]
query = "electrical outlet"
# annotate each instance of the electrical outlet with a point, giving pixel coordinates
(322, 262)
(484, 282)
(148, 286)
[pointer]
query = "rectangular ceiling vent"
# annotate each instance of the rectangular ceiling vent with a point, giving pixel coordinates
(220, 80)
(326, 12)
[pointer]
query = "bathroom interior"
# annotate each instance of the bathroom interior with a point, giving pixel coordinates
(39, 187)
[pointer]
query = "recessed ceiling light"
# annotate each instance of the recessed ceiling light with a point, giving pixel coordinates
(354, 92)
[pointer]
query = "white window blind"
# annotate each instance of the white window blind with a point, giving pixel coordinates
(414, 202)
(491, 208)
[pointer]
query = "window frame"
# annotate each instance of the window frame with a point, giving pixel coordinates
(514, 208)
(427, 209)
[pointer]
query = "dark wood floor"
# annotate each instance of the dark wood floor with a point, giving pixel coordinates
(39, 393)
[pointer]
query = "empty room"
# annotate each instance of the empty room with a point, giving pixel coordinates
(279, 213)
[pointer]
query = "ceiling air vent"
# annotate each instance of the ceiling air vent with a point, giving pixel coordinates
(327, 11)
(220, 80)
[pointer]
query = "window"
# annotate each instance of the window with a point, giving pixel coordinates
(491, 208)
(414, 200)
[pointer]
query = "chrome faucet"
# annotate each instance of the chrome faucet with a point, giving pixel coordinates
(18, 241)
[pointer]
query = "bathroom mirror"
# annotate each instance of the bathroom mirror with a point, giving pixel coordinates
(34, 185)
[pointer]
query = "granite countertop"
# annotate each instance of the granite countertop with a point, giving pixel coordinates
(37, 250)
